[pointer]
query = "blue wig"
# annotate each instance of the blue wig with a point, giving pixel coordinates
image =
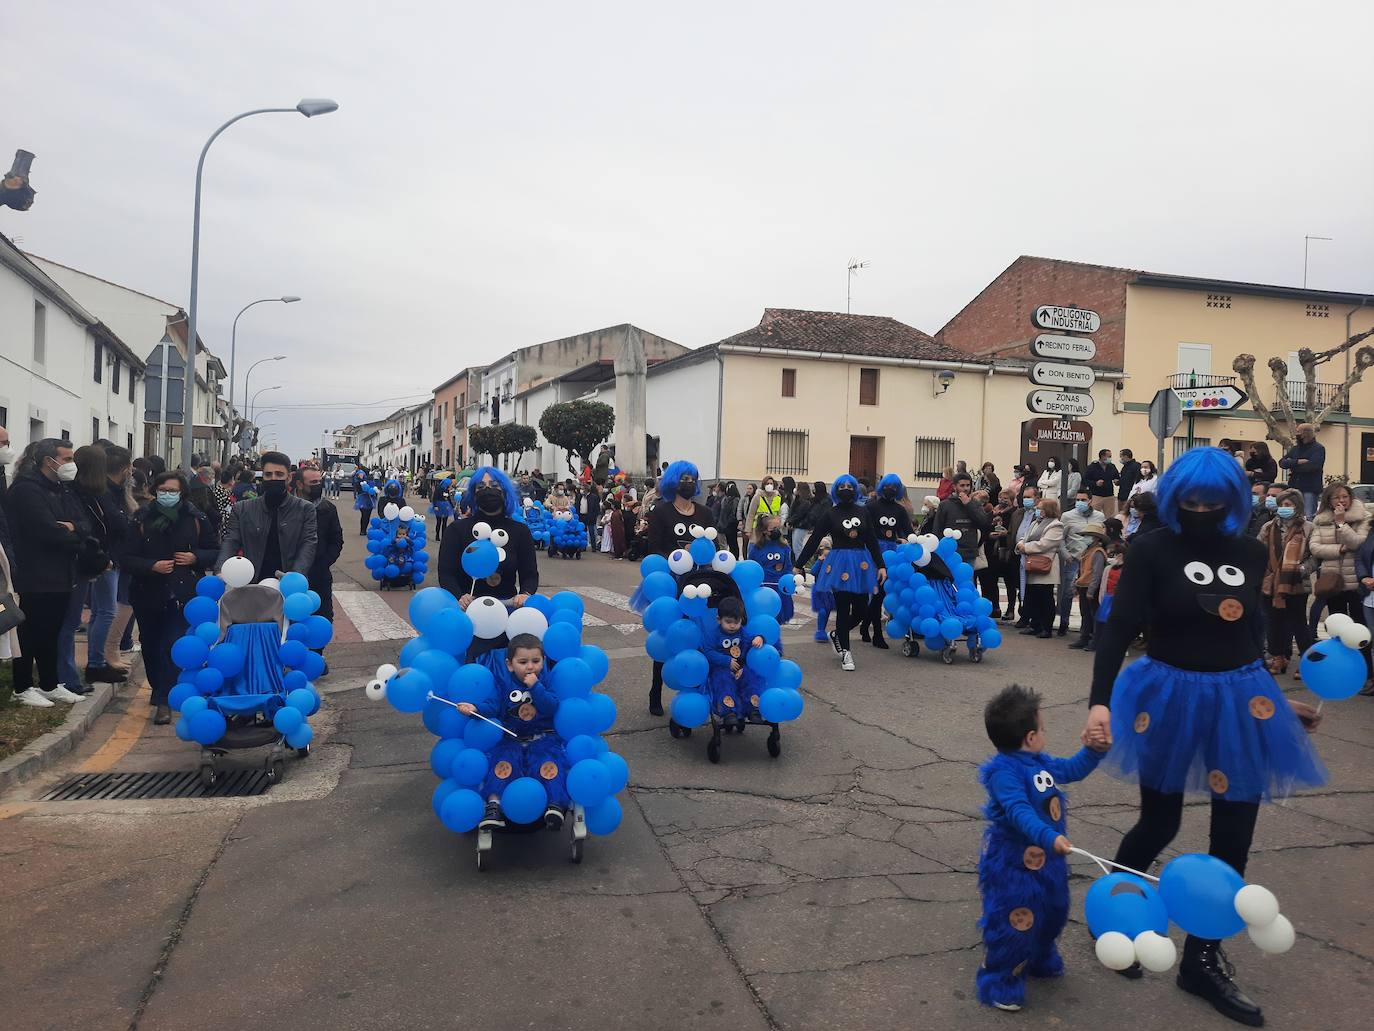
(842, 481)
(667, 483)
(502, 480)
(1210, 475)
(892, 480)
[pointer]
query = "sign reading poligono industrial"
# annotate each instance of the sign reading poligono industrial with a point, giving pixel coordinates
(1071, 320)
(1064, 349)
(1069, 403)
(1071, 377)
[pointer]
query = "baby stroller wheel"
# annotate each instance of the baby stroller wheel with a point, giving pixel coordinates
(948, 654)
(713, 749)
(908, 647)
(577, 555)
(577, 850)
(301, 753)
(775, 743)
(207, 774)
(976, 654)
(275, 769)
(481, 862)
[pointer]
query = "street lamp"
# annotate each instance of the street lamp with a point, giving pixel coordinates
(248, 375)
(310, 107)
(255, 397)
(233, 343)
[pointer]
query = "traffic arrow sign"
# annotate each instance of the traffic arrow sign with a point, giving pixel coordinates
(1074, 320)
(1209, 400)
(1064, 349)
(1069, 377)
(1060, 402)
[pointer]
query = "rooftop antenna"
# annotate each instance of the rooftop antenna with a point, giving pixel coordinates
(1306, 241)
(853, 267)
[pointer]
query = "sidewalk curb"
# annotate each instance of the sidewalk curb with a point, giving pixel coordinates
(44, 752)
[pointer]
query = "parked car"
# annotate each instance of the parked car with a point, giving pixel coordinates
(1363, 491)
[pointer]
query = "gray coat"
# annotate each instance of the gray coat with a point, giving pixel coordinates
(246, 533)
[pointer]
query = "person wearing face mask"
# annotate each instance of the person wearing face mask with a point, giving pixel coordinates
(853, 569)
(275, 532)
(1050, 480)
(1199, 713)
(891, 525)
(1043, 540)
(6, 541)
(766, 501)
(1101, 478)
(1143, 515)
(48, 526)
(490, 497)
(1076, 520)
(1131, 472)
(1260, 466)
(1260, 513)
(308, 484)
(1145, 483)
(1305, 462)
(168, 548)
(1021, 522)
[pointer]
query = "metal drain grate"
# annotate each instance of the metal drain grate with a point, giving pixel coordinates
(165, 784)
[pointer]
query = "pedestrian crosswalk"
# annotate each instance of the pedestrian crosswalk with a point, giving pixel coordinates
(373, 618)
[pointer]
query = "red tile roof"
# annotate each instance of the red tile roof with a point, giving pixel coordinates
(834, 332)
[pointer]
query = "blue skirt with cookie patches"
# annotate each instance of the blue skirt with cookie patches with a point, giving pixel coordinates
(848, 569)
(1231, 734)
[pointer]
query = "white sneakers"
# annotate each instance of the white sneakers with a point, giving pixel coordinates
(42, 699)
(846, 661)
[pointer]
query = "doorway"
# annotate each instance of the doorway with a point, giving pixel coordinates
(1367, 457)
(863, 458)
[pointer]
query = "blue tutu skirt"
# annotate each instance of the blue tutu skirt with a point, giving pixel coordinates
(848, 569)
(1231, 734)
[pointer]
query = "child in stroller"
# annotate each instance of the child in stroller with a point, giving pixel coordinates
(733, 687)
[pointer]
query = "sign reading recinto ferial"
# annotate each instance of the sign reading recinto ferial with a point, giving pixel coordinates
(1064, 349)
(1072, 320)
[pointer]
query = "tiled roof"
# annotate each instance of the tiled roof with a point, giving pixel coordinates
(834, 332)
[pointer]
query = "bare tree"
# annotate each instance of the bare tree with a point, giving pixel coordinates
(1284, 418)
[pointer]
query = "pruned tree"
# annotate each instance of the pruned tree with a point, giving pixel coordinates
(507, 438)
(15, 191)
(577, 427)
(1284, 418)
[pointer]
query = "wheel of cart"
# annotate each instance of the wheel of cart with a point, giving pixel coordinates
(574, 822)
(721, 726)
(910, 646)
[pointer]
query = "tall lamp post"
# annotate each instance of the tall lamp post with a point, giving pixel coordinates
(254, 399)
(310, 108)
(233, 346)
(249, 374)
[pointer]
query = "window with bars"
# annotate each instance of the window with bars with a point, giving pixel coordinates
(789, 382)
(868, 386)
(114, 377)
(1181, 445)
(787, 451)
(933, 456)
(131, 383)
(130, 445)
(40, 333)
(95, 429)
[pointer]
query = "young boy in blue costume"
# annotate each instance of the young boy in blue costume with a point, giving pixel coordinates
(525, 705)
(774, 554)
(734, 688)
(1022, 873)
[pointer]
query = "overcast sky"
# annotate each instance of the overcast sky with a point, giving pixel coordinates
(503, 174)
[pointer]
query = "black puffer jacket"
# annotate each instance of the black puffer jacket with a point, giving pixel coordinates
(146, 545)
(44, 552)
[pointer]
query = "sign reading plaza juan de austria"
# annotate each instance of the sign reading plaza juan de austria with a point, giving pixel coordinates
(1074, 320)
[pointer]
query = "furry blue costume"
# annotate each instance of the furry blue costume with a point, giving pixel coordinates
(1023, 882)
(537, 751)
(731, 697)
(442, 505)
(776, 559)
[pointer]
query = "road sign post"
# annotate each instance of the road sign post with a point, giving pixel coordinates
(1165, 414)
(1066, 393)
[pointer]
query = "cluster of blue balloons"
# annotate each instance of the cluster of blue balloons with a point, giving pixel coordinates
(434, 677)
(567, 533)
(209, 666)
(393, 557)
(677, 621)
(937, 610)
(536, 517)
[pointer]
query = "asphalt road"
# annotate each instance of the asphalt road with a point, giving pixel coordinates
(833, 887)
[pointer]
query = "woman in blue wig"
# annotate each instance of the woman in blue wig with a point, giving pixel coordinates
(490, 498)
(854, 567)
(891, 524)
(1199, 713)
(441, 507)
(670, 526)
(364, 499)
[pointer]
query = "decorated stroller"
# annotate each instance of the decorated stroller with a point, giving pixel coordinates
(537, 519)
(567, 536)
(247, 665)
(931, 599)
(680, 597)
(396, 545)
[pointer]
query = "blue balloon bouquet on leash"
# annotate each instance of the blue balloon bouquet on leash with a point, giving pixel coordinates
(248, 662)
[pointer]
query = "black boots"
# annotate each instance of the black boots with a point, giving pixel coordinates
(655, 701)
(879, 641)
(1206, 973)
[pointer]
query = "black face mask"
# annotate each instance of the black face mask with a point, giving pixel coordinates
(889, 494)
(274, 491)
(490, 502)
(845, 495)
(686, 488)
(1201, 524)
(315, 493)
(775, 535)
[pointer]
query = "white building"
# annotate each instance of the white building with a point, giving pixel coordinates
(404, 440)
(144, 322)
(63, 372)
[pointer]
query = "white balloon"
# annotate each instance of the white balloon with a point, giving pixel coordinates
(528, 503)
(1355, 636)
(481, 531)
(1155, 952)
(376, 690)
(924, 558)
(237, 571)
(680, 562)
(488, 617)
(1115, 951)
(391, 511)
(704, 591)
(386, 671)
(527, 621)
(690, 591)
(710, 533)
(500, 537)
(1337, 622)
(500, 554)
(271, 582)
(407, 514)
(1274, 938)
(1256, 905)
(913, 538)
(724, 562)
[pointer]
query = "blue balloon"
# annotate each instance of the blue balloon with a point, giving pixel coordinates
(789, 675)
(574, 717)
(795, 704)
(287, 719)
(472, 683)
(605, 818)
(568, 600)
(375, 546)
(201, 610)
(584, 746)
(318, 631)
(379, 574)
(589, 782)
(1331, 670)
(304, 699)
(482, 735)
(571, 678)
(603, 711)
(656, 644)
(177, 696)
(653, 564)
(209, 680)
(540, 604)
(763, 661)
(763, 602)
(658, 585)
(206, 726)
(438, 666)
(298, 632)
(690, 709)
(412, 648)
(926, 595)
(524, 800)
(190, 652)
(764, 626)
(480, 559)
(293, 583)
(562, 641)
(787, 583)
(194, 704)
(1200, 894)
(408, 690)
(748, 576)
(617, 769)
(298, 607)
(567, 616)
(210, 587)
(1125, 903)
(426, 603)
(703, 550)
(950, 628)
(293, 653)
(662, 613)
(597, 661)
(183, 729)
(313, 665)
(442, 720)
(462, 810)
(934, 644)
(441, 756)
(990, 638)
(683, 635)
(294, 680)
(441, 792)
(686, 669)
(468, 767)
(773, 705)
(450, 630)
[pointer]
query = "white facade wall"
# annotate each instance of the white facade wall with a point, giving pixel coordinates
(498, 381)
(683, 409)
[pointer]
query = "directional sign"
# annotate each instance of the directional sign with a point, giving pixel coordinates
(1060, 402)
(1069, 377)
(1209, 400)
(1064, 349)
(1073, 320)
(1059, 431)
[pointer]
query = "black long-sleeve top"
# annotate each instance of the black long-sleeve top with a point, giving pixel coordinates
(889, 519)
(848, 528)
(328, 539)
(521, 567)
(669, 529)
(1199, 597)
